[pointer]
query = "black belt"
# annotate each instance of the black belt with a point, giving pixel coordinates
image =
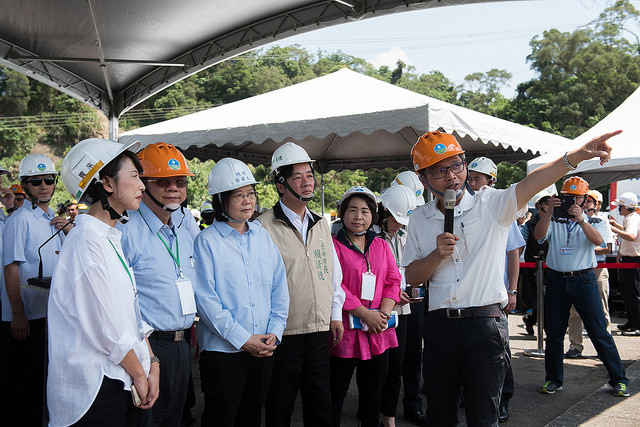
(571, 273)
(492, 310)
(167, 335)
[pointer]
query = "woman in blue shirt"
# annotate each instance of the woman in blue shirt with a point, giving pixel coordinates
(242, 300)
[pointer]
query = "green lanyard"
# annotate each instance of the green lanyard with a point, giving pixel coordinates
(133, 286)
(176, 257)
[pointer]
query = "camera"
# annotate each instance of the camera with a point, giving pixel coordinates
(416, 293)
(560, 213)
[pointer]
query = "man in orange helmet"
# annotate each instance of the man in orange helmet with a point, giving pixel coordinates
(158, 244)
(465, 329)
(571, 259)
(19, 195)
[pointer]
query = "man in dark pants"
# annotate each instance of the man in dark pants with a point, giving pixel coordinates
(314, 277)
(411, 369)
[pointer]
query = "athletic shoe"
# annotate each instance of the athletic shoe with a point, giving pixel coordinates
(625, 327)
(550, 388)
(621, 390)
(631, 333)
(573, 353)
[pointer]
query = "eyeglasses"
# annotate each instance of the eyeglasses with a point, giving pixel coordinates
(442, 172)
(37, 181)
(166, 182)
(251, 195)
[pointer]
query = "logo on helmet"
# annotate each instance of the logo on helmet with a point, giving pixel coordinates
(474, 164)
(418, 192)
(174, 164)
(439, 148)
(41, 166)
(409, 212)
(573, 187)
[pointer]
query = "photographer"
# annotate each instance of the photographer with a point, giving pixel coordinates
(571, 259)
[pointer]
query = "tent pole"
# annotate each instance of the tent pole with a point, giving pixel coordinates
(113, 127)
(322, 191)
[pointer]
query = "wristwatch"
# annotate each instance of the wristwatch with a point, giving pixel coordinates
(155, 359)
(513, 292)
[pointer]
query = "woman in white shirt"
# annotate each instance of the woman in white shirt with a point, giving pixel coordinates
(98, 350)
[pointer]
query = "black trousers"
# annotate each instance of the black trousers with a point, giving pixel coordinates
(24, 377)
(630, 281)
(112, 407)
(301, 363)
(234, 386)
(467, 353)
(412, 367)
(391, 386)
(175, 369)
(370, 375)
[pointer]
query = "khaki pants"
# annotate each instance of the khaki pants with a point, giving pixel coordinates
(575, 323)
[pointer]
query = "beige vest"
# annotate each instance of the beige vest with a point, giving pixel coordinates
(309, 269)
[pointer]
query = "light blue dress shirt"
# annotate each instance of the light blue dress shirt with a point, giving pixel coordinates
(154, 267)
(23, 233)
(570, 235)
(241, 287)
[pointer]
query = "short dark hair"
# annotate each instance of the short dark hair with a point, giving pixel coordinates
(370, 204)
(110, 170)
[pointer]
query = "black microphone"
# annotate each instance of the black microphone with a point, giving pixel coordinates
(44, 282)
(449, 205)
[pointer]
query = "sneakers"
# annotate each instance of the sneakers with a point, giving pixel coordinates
(625, 327)
(631, 332)
(550, 388)
(573, 353)
(620, 390)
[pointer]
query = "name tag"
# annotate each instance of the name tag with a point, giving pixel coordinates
(187, 299)
(567, 250)
(368, 286)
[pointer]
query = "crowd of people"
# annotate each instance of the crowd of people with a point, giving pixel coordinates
(98, 308)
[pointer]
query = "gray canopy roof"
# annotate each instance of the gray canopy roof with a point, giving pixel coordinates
(114, 54)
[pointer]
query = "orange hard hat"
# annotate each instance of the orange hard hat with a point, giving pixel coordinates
(16, 189)
(576, 186)
(161, 160)
(433, 147)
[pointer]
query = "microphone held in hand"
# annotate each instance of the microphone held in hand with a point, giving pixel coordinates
(449, 206)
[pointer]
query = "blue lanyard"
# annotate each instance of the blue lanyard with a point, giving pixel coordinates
(570, 227)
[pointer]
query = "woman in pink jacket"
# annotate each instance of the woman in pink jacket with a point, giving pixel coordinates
(371, 281)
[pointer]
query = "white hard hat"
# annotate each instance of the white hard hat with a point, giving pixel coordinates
(400, 201)
(411, 180)
(36, 164)
(229, 174)
(288, 154)
(195, 213)
(206, 207)
(359, 190)
(628, 200)
(485, 166)
(4, 171)
(85, 159)
(536, 198)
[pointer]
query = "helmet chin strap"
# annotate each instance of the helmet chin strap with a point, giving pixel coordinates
(284, 182)
(123, 218)
(171, 207)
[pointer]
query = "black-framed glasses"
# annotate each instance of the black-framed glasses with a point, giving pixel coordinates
(166, 182)
(36, 182)
(251, 195)
(442, 172)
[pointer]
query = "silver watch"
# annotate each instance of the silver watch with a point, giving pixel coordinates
(512, 292)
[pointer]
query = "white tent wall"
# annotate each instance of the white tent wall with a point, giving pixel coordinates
(625, 154)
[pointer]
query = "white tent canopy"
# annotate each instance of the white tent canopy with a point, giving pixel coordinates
(625, 154)
(345, 120)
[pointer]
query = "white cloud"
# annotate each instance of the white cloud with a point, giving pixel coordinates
(390, 58)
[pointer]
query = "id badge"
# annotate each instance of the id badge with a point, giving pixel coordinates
(566, 250)
(368, 286)
(187, 299)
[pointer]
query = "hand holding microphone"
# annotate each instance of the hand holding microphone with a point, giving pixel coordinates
(446, 241)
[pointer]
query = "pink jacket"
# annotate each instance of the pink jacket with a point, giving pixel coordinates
(356, 343)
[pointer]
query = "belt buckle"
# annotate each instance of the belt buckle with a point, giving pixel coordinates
(179, 336)
(457, 313)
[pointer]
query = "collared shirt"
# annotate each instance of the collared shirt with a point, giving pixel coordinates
(23, 233)
(92, 320)
(569, 248)
(631, 224)
(514, 241)
(302, 225)
(241, 287)
(155, 268)
(474, 275)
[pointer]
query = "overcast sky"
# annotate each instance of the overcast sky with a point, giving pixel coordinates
(457, 40)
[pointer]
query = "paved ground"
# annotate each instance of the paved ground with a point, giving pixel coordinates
(584, 400)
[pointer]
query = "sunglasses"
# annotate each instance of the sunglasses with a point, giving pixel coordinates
(36, 182)
(166, 182)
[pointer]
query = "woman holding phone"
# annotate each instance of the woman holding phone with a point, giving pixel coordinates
(99, 356)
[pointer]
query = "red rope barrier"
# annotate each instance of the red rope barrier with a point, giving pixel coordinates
(613, 265)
